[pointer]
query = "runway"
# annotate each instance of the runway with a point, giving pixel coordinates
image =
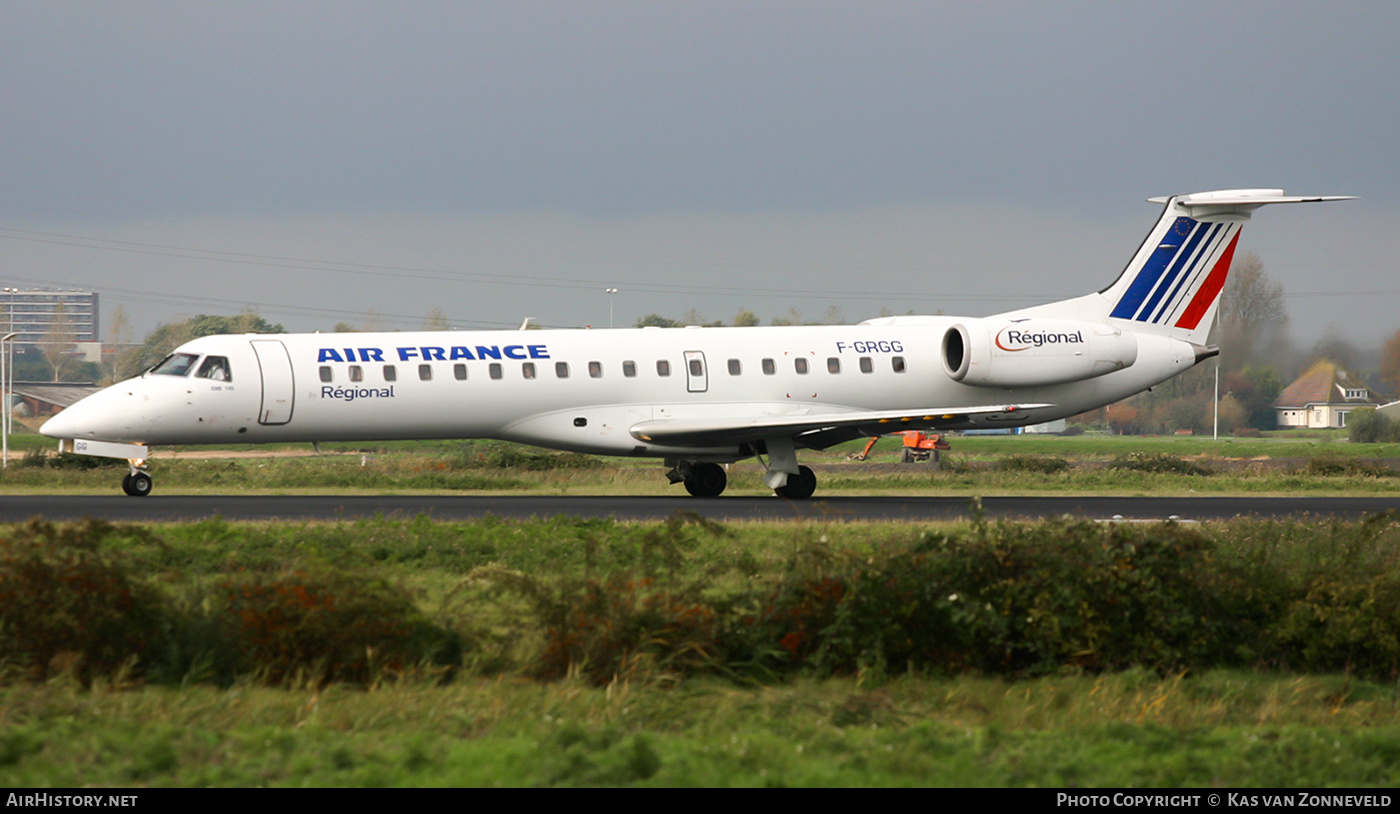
(171, 508)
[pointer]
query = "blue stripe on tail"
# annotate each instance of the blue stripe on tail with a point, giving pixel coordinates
(1152, 270)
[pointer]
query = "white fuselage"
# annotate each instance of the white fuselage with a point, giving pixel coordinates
(578, 390)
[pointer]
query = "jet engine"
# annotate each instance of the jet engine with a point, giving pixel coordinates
(1034, 352)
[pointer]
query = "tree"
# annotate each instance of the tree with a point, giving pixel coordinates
(57, 347)
(1390, 363)
(1256, 390)
(746, 319)
(119, 363)
(166, 338)
(657, 321)
(436, 321)
(1253, 316)
(1336, 348)
(794, 317)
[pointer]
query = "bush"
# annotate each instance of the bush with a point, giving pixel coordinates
(1337, 465)
(327, 627)
(1367, 426)
(1342, 626)
(64, 604)
(41, 459)
(1159, 463)
(1043, 464)
(515, 456)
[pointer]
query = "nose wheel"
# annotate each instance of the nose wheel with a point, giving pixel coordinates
(137, 484)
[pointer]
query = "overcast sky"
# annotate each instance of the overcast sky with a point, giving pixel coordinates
(324, 162)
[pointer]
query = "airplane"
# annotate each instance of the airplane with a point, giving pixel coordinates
(697, 398)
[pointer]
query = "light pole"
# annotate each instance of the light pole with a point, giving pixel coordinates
(6, 377)
(610, 293)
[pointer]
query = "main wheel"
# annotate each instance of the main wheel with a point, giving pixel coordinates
(137, 484)
(706, 480)
(799, 486)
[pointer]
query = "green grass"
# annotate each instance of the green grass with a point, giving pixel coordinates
(1130, 730)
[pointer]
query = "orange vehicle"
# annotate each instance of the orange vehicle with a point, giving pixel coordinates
(918, 446)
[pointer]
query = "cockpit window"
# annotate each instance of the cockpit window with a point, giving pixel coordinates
(216, 368)
(176, 364)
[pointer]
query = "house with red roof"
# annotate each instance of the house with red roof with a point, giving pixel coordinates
(1322, 397)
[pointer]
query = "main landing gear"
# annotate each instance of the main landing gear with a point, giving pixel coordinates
(786, 478)
(799, 486)
(701, 478)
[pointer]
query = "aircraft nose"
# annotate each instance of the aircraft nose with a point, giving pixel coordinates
(67, 424)
(93, 417)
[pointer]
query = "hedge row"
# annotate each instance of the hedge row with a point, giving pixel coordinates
(1011, 599)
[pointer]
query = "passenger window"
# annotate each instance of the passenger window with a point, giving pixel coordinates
(867, 365)
(663, 367)
(495, 370)
(800, 365)
(629, 369)
(695, 368)
(833, 364)
(460, 371)
(176, 364)
(769, 368)
(326, 375)
(528, 370)
(215, 368)
(391, 373)
(357, 373)
(595, 370)
(898, 363)
(425, 373)
(561, 369)
(734, 367)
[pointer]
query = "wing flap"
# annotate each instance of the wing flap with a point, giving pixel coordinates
(747, 429)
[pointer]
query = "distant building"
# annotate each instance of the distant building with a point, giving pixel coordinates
(1322, 397)
(47, 398)
(34, 314)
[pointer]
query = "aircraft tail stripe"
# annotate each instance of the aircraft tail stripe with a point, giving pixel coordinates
(1210, 289)
(1191, 283)
(1151, 272)
(1180, 270)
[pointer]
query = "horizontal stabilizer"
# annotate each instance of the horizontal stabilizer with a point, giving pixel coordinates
(1237, 204)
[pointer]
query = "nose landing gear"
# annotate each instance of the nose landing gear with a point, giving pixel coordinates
(137, 483)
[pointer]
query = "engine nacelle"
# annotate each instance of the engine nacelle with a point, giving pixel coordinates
(1034, 352)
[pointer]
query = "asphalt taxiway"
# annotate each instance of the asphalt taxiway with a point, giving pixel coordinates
(170, 508)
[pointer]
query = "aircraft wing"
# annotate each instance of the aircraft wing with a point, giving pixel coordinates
(816, 431)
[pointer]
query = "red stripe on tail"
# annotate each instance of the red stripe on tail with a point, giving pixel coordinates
(1209, 290)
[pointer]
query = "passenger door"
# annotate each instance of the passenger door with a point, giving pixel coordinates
(278, 386)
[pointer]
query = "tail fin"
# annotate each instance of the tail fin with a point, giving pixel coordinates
(1173, 284)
